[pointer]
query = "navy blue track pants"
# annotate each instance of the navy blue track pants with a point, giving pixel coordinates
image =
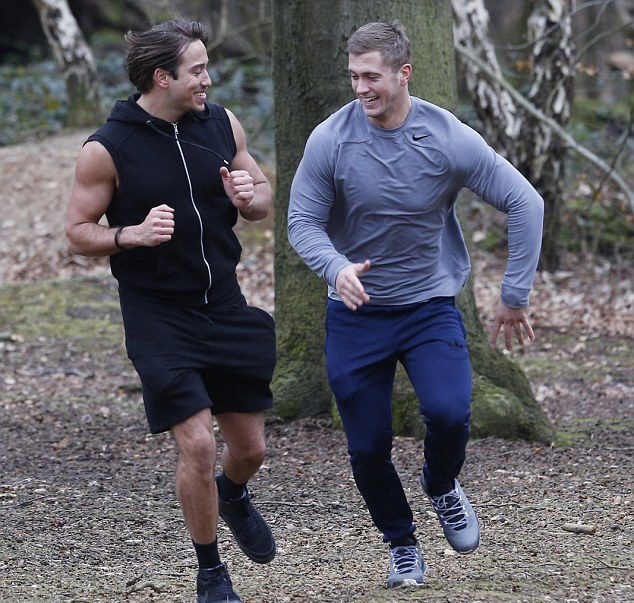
(362, 351)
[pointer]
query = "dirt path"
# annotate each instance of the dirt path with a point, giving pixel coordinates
(88, 511)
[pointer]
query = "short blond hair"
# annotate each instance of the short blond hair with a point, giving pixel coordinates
(388, 38)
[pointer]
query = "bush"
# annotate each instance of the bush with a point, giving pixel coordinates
(599, 226)
(34, 104)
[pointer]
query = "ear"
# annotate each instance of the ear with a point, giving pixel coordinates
(406, 73)
(161, 78)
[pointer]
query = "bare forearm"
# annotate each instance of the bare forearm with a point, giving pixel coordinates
(92, 240)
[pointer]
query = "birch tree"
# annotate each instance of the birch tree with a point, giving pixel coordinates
(524, 139)
(75, 60)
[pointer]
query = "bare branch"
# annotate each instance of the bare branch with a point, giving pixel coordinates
(514, 47)
(598, 38)
(621, 148)
(245, 27)
(551, 123)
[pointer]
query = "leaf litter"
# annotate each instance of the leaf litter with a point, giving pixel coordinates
(87, 498)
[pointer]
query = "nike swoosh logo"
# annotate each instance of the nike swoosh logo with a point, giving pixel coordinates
(414, 137)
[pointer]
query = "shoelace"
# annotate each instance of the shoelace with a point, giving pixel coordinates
(218, 579)
(245, 509)
(405, 559)
(451, 510)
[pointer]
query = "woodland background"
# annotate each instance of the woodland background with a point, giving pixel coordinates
(86, 496)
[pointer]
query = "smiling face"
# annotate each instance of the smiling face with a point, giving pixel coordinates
(383, 92)
(188, 91)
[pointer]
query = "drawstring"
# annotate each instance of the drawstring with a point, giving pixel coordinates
(193, 144)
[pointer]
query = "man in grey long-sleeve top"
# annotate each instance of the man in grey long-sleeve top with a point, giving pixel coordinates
(372, 211)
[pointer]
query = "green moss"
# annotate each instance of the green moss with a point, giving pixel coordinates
(300, 385)
(497, 412)
(563, 440)
(79, 309)
(300, 389)
(583, 429)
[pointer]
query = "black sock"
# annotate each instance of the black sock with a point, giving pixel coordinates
(407, 541)
(207, 554)
(227, 489)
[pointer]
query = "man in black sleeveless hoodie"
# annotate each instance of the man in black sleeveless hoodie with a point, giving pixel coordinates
(171, 172)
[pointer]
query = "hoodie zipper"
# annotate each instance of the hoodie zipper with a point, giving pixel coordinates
(200, 221)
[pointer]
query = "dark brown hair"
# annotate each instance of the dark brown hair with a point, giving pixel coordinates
(388, 38)
(160, 47)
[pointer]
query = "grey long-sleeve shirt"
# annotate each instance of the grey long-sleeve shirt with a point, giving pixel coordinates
(363, 192)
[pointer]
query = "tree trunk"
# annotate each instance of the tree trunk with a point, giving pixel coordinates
(524, 140)
(550, 31)
(310, 83)
(493, 104)
(75, 59)
(308, 73)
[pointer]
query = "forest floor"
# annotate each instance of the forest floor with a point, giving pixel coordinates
(88, 511)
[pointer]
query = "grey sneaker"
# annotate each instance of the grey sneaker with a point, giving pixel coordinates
(407, 566)
(457, 518)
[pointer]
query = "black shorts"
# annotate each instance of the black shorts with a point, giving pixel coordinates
(190, 358)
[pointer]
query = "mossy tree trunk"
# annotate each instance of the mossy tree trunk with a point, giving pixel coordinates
(310, 83)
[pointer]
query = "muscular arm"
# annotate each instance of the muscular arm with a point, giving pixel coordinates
(95, 182)
(246, 185)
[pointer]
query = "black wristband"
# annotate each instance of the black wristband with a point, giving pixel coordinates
(117, 233)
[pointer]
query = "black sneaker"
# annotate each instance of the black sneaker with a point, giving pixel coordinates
(252, 533)
(214, 586)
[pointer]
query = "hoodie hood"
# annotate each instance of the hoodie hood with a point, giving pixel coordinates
(130, 112)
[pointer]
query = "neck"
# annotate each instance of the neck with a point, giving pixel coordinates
(396, 118)
(157, 107)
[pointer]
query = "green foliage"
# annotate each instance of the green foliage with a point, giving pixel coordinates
(34, 101)
(113, 80)
(593, 115)
(597, 227)
(592, 222)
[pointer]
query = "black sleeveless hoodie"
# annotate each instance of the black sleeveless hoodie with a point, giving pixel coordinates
(177, 164)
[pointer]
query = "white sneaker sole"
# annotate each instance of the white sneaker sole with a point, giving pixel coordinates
(406, 583)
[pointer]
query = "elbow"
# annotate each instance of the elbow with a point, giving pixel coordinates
(290, 233)
(71, 244)
(540, 203)
(71, 247)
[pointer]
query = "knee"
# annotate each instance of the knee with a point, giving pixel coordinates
(448, 418)
(251, 456)
(199, 451)
(371, 452)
